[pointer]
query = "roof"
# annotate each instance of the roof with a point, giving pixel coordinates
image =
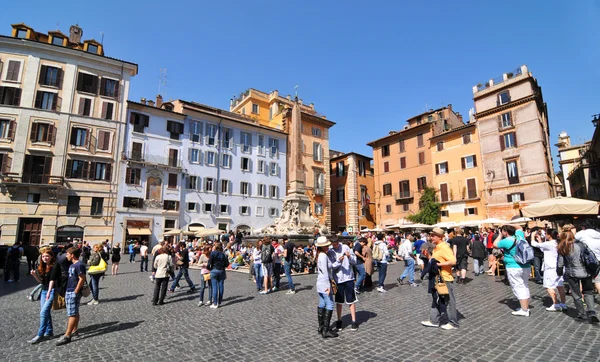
(156, 108)
(349, 154)
(468, 125)
(324, 122)
(404, 131)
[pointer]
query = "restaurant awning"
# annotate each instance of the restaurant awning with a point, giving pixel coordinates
(195, 228)
(139, 231)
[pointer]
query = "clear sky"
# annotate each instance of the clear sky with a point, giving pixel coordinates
(366, 65)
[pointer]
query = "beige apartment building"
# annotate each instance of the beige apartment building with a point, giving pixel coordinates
(402, 164)
(569, 157)
(515, 148)
(62, 114)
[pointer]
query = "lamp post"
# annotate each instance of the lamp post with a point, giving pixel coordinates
(596, 119)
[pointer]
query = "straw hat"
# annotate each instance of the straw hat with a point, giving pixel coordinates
(322, 241)
(437, 231)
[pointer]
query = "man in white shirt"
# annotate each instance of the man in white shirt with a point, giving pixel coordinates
(590, 237)
(144, 256)
(406, 254)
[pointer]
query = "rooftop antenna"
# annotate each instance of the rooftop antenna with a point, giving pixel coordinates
(57, 24)
(162, 83)
(101, 38)
(296, 90)
(426, 106)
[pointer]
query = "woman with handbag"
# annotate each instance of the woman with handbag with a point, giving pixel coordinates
(217, 263)
(205, 275)
(96, 271)
(48, 275)
(325, 288)
(163, 265)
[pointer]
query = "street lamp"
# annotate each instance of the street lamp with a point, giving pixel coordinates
(596, 119)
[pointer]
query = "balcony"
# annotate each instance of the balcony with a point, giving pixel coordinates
(153, 160)
(515, 73)
(319, 191)
(404, 196)
(32, 179)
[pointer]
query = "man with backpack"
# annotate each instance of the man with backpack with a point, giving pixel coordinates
(13, 263)
(267, 265)
(380, 255)
(517, 256)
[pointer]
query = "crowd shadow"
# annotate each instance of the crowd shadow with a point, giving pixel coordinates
(103, 328)
(362, 316)
(122, 299)
(236, 299)
(513, 303)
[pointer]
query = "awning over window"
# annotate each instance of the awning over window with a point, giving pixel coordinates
(139, 231)
(195, 228)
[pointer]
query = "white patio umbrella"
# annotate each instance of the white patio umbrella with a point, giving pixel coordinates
(447, 224)
(415, 226)
(470, 223)
(173, 232)
(493, 221)
(377, 230)
(519, 220)
(209, 232)
(561, 206)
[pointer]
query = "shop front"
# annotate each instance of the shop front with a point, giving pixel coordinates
(137, 231)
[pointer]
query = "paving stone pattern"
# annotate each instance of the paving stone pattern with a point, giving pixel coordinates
(275, 327)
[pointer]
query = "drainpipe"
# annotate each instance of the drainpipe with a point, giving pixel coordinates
(218, 163)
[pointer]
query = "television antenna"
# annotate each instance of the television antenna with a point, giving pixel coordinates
(162, 83)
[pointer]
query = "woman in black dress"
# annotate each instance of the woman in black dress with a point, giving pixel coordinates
(116, 258)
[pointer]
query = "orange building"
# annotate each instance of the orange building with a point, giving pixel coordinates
(457, 174)
(402, 164)
(352, 185)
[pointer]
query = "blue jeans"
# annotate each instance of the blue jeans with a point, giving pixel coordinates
(217, 279)
(287, 268)
(132, 257)
(203, 284)
(360, 268)
(478, 265)
(382, 267)
(326, 301)
(409, 270)
(94, 285)
(183, 272)
(258, 275)
(45, 315)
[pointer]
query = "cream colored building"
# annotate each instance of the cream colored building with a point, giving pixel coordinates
(569, 156)
(62, 112)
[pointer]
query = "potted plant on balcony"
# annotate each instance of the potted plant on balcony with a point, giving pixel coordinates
(487, 84)
(516, 205)
(509, 75)
(464, 192)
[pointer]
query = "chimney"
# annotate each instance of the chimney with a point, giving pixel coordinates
(158, 100)
(143, 101)
(450, 106)
(151, 103)
(75, 33)
(289, 97)
(460, 117)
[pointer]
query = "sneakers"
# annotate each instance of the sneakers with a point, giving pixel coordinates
(554, 308)
(208, 303)
(177, 289)
(263, 292)
(275, 289)
(400, 281)
(521, 312)
(291, 291)
(429, 324)
(356, 291)
(414, 284)
(214, 306)
(354, 326)
(593, 318)
(63, 340)
(200, 304)
(448, 327)
(563, 307)
(93, 302)
(381, 290)
(9, 281)
(338, 326)
(36, 339)
(30, 297)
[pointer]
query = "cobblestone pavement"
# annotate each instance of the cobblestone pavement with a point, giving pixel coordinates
(253, 327)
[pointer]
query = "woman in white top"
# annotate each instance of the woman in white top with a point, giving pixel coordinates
(257, 265)
(551, 279)
(324, 288)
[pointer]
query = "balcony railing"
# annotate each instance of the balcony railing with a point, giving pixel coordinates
(404, 195)
(151, 159)
(32, 178)
(318, 191)
(499, 80)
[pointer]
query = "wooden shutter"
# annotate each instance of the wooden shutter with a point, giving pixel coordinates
(107, 136)
(92, 172)
(51, 134)
(59, 78)
(88, 138)
(47, 165)
(128, 176)
(108, 173)
(101, 140)
(502, 143)
(104, 109)
(444, 192)
(475, 210)
(466, 211)
(69, 168)
(437, 169)
(474, 161)
(508, 198)
(81, 109)
(94, 85)
(6, 163)
(421, 158)
(515, 138)
(11, 130)
(38, 99)
(79, 81)
(33, 134)
(403, 162)
(85, 172)
(471, 188)
(522, 196)
(500, 121)
(132, 117)
(103, 86)
(463, 163)
(54, 101)
(146, 120)
(117, 86)
(43, 72)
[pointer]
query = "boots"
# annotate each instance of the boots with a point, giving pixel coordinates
(321, 316)
(328, 332)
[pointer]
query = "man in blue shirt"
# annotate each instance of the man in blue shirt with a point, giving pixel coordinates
(417, 245)
(75, 284)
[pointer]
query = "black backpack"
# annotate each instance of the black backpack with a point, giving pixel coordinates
(14, 253)
(267, 254)
(589, 260)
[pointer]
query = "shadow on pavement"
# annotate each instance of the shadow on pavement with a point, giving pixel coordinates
(122, 299)
(227, 302)
(108, 327)
(362, 316)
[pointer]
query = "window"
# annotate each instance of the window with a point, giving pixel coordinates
(468, 162)
(255, 108)
(73, 205)
(402, 146)
(13, 71)
(245, 164)
(387, 190)
(246, 142)
(441, 168)
(386, 166)
(405, 207)
(169, 224)
(175, 129)
(50, 76)
(440, 146)
(421, 183)
(224, 186)
(503, 98)
(33, 198)
(512, 172)
(404, 187)
(471, 188)
(109, 87)
(194, 155)
(466, 138)
(317, 152)
(10, 96)
(444, 196)
(508, 140)
(172, 184)
(7, 129)
(97, 206)
(274, 146)
(362, 170)
(136, 151)
(107, 110)
(444, 213)
(260, 211)
(57, 40)
(388, 209)
(318, 208)
(191, 206)
(316, 132)
(80, 137)
(245, 188)
(261, 145)
(273, 191)
(261, 166)
(22, 33)
(211, 134)
(341, 171)
(385, 150)
(420, 140)
(192, 182)
(6, 163)
(42, 132)
(85, 107)
(133, 176)
(226, 160)
(244, 210)
(92, 49)
(340, 194)
(273, 212)
(46, 100)
(273, 169)
(506, 120)
(402, 163)
(87, 83)
(262, 190)
(421, 158)
(516, 197)
(226, 137)
(210, 158)
(342, 212)
(195, 131)
(319, 186)
(470, 211)
(133, 202)
(170, 205)
(223, 209)
(139, 121)
(77, 169)
(100, 171)
(173, 157)
(209, 184)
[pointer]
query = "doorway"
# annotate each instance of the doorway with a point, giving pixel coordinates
(30, 231)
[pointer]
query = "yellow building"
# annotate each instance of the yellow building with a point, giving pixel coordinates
(273, 110)
(457, 174)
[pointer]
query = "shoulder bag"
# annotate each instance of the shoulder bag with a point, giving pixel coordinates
(440, 285)
(98, 269)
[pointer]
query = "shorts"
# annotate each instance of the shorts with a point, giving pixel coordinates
(345, 293)
(267, 269)
(551, 279)
(461, 262)
(419, 260)
(518, 279)
(596, 279)
(73, 301)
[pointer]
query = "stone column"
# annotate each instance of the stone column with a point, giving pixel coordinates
(352, 188)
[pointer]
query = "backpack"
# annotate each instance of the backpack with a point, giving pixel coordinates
(14, 253)
(589, 260)
(524, 253)
(377, 253)
(267, 255)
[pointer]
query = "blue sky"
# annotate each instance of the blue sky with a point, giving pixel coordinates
(368, 66)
